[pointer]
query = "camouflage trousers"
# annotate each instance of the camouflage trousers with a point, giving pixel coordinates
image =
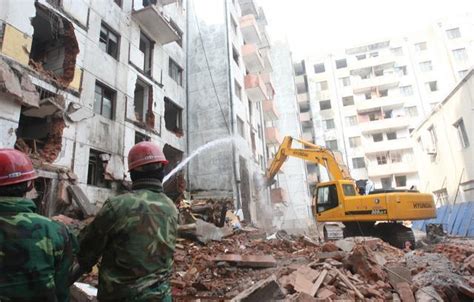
(158, 293)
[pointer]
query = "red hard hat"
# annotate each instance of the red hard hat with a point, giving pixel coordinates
(145, 153)
(15, 167)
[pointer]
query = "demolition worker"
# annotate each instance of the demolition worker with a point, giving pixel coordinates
(36, 253)
(135, 233)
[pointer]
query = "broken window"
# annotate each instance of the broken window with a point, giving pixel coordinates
(175, 72)
(104, 100)
(348, 100)
(109, 40)
(324, 105)
(342, 63)
(173, 117)
(40, 130)
(176, 185)
(319, 68)
(146, 47)
(140, 137)
(96, 170)
(54, 47)
(235, 55)
(141, 100)
(237, 90)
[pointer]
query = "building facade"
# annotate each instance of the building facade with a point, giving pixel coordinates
(83, 81)
(444, 146)
(365, 101)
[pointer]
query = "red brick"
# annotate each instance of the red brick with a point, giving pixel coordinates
(405, 292)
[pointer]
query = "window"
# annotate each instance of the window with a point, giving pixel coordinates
(431, 86)
(233, 26)
(321, 86)
(386, 182)
(331, 144)
(175, 72)
(109, 41)
(374, 54)
(406, 90)
(140, 137)
(462, 134)
(259, 132)
(420, 46)
(453, 33)
(367, 95)
(146, 47)
(250, 109)
(299, 68)
(462, 73)
(377, 137)
(141, 100)
(396, 157)
(355, 141)
(237, 90)
(346, 81)
(398, 51)
(401, 70)
(319, 68)
(351, 120)
(391, 135)
(460, 54)
(412, 111)
(388, 114)
(329, 124)
(96, 169)
(426, 66)
(348, 100)
(173, 117)
(383, 92)
(433, 136)
(349, 190)
(374, 117)
(235, 55)
(326, 198)
(381, 160)
(441, 197)
(301, 88)
(401, 181)
(358, 162)
(361, 57)
(104, 100)
(342, 63)
(240, 127)
(379, 72)
(323, 105)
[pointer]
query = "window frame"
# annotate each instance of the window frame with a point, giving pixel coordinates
(173, 65)
(329, 202)
(463, 137)
(109, 31)
(113, 94)
(358, 160)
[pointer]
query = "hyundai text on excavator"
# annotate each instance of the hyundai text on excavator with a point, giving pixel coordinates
(378, 214)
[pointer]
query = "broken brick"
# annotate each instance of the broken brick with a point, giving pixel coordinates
(405, 292)
(329, 247)
(247, 260)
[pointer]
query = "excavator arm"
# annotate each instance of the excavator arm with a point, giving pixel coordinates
(312, 153)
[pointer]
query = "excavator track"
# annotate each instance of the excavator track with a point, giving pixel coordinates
(396, 234)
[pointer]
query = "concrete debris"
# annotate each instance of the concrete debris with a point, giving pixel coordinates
(254, 261)
(16, 84)
(265, 290)
(82, 201)
(76, 112)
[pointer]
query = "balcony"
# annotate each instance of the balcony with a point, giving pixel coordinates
(278, 195)
(388, 145)
(375, 170)
(249, 28)
(269, 83)
(272, 136)
(305, 117)
(383, 61)
(255, 88)
(248, 7)
(386, 102)
(252, 58)
(270, 112)
(384, 124)
(303, 98)
(386, 81)
(155, 23)
(266, 60)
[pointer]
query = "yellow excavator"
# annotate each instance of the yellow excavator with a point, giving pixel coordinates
(377, 214)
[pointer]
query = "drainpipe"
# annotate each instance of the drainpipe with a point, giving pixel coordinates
(188, 7)
(231, 99)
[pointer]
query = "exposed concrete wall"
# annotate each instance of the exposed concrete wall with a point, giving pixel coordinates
(294, 179)
(445, 164)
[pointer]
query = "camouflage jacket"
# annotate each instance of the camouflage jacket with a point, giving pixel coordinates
(36, 254)
(135, 233)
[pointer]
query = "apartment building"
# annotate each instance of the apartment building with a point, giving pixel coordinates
(231, 95)
(295, 212)
(444, 146)
(83, 81)
(364, 101)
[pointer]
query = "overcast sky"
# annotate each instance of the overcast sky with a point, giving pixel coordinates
(317, 26)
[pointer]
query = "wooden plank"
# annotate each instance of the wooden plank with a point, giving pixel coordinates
(247, 260)
(318, 283)
(82, 201)
(349, 283)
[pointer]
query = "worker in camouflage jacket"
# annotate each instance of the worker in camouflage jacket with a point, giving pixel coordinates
(135, 233)
(36, 253)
